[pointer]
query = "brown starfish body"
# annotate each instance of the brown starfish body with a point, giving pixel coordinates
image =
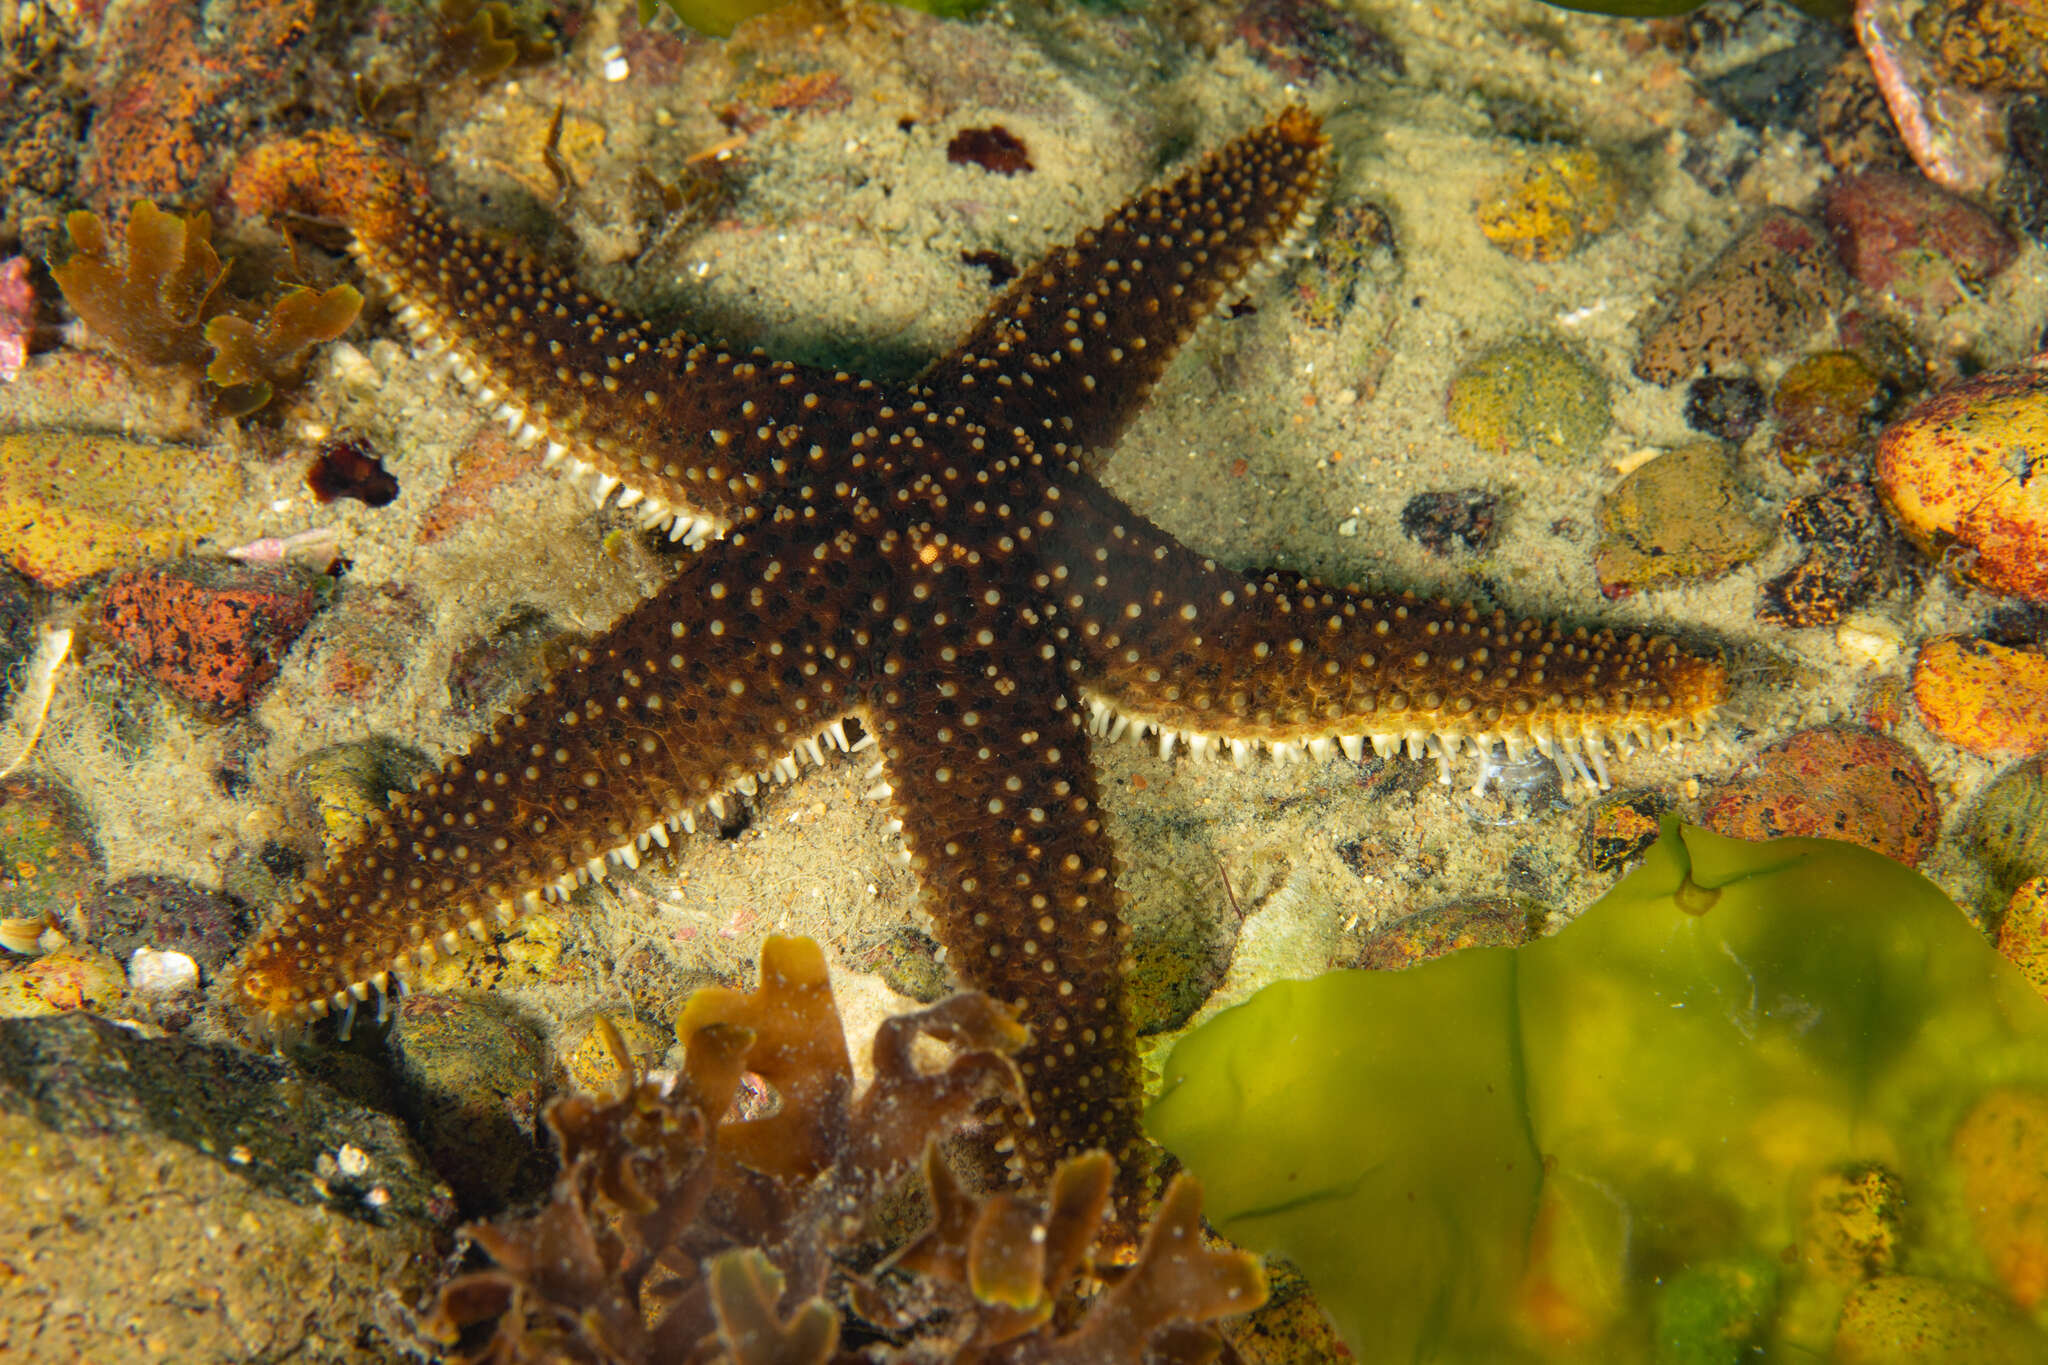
(933, 560)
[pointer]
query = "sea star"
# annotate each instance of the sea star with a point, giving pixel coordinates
(933, 560)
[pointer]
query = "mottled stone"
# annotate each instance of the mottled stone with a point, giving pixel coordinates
(1834, 782)
(49, 860)
(1964, 474)
(1773, 284)
(1619, 827)
(1443, 521)
(1724, 406)
(1552, 204)
(1916, 1320)
(1988, 698)
(1850, 552)
(2010, 824)
(72, 505)
(214, 633)
(1901, 235)
(1826, 407)
(167, 913)
(1680, 516)
(1530, 396)
(179, 1202)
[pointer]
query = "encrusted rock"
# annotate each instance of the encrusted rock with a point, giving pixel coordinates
(1772, 285)
(1680, 516)
(1988, 698)
(199, 1204)
(215, 633)
(1901, 235)
(1533, 396)
(72, 505)
(1834, 782)
(1965, 473)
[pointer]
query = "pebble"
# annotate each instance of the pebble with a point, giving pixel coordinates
(2010, 825)
(1916, 1320)
(1826, 407)
(1445, 521)
(1620, 827)
(1530, 396)
(1834, 782)
(71, 978)
(1902, 236)
(212, 632)
(1726, 406)
(1850, 552)
(49, 861)
(2023, 932)
(1680, 516)
(1986, 698)
(167, 913)
(2000, 1151)
(1551, 205)
(476, 1075)
(1963, 474)
(1486, 922)
(72, 506)
(1773, 284)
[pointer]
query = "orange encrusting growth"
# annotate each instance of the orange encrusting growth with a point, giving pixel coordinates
(933, 560)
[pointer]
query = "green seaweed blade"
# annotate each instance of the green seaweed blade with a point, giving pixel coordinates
(1503, 1154)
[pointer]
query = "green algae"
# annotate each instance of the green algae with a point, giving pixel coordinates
(1586, 1148)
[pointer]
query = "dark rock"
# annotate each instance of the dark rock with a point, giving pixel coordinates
(475, 1076)
(1449, 519)
(1773, 284)
(1725, 406)
(215, 1204)
(167, 914)
(1620, 827)
(995, 149)
(1851, 552)
(215, 633)
(1903, 236)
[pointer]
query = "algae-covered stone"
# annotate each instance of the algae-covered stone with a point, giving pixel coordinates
(1962, 474)
(2001, 1154)
(1556, 201)
(2010, 825)
(1531, 396)
(1713, 1314)
(1918, 1320)
(73, 505)
(1680, 516)
(1988, 698)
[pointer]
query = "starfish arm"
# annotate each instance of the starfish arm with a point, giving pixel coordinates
(1165, 639)
(722, 678)
(1072, 348)
(1000, 813)
(691, 436)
